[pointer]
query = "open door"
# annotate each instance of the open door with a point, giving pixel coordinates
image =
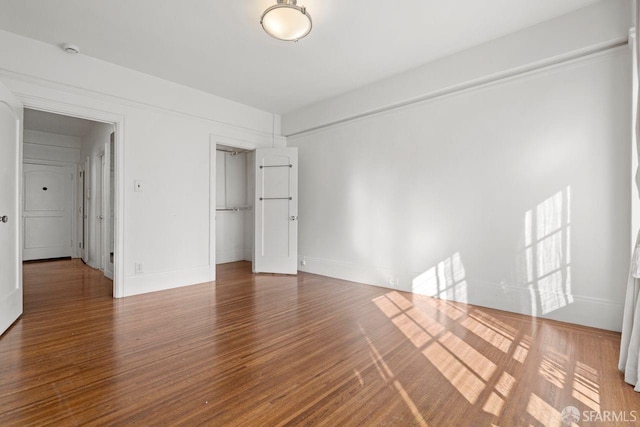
(99, 214)
(276, 210)
(108, 182)
(11, 114)
(86, 188)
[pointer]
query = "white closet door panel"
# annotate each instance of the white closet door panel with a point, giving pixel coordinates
(47, 211)
(44, 231)
(276, 210)
(44, 189)
(273, 243)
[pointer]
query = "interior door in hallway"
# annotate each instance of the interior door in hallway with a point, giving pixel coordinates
(276, 210)
(108, 208)
(11, 114)
(47, 211)
(85, 210)
(99, 205)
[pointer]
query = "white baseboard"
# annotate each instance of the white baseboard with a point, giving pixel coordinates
(577, 309)
(144, 283)
(571, 308)
(231, 255)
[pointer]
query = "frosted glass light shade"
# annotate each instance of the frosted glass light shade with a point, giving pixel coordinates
(286, 21)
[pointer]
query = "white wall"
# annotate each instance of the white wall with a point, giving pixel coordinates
(50, 147)
(590, 28)
(513, 195)
(164, 131)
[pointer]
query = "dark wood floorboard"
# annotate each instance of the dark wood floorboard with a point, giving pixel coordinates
(269, 350)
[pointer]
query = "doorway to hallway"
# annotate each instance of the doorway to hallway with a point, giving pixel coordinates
(68, 173)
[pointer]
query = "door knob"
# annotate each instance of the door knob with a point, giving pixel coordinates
(4, 218)
(293, 217)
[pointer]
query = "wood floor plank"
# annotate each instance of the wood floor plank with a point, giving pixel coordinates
(291, 350)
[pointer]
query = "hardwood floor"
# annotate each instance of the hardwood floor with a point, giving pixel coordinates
(307, 350)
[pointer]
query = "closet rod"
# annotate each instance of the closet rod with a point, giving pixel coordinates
(230, 209)
(276, 166)
(233, 153)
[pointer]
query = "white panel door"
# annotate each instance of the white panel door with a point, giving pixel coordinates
(10, 159)
(86, 192)
(99, 205)
(108, 208)
(276, 210)
(47, 211)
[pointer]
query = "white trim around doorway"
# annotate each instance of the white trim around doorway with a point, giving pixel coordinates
(117, 120)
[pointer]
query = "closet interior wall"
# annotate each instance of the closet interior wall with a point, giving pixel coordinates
(234, 225)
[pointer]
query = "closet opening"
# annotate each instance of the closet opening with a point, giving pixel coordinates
(234, 229)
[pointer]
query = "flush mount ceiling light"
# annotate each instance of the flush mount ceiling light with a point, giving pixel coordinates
(286, 21)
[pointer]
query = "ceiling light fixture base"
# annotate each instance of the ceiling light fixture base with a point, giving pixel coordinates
(286, 21)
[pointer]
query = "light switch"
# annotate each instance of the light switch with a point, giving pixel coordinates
(137, 185)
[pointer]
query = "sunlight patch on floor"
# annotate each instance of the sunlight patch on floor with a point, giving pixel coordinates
(467, 384)
(585, 386)
(481, 365)
(552, 371)
(387, 375)
(476, 377)
(489, 335)
(546, 414)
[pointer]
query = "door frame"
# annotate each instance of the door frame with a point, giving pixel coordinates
(83, 200)
(118, 120)
(214, 141)
(107, 208)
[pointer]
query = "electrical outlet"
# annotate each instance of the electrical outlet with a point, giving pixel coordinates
(394, 282)
(303, 261)
(138, 268)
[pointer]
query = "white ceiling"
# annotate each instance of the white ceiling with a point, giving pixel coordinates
(42, 121)
(219, 46)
